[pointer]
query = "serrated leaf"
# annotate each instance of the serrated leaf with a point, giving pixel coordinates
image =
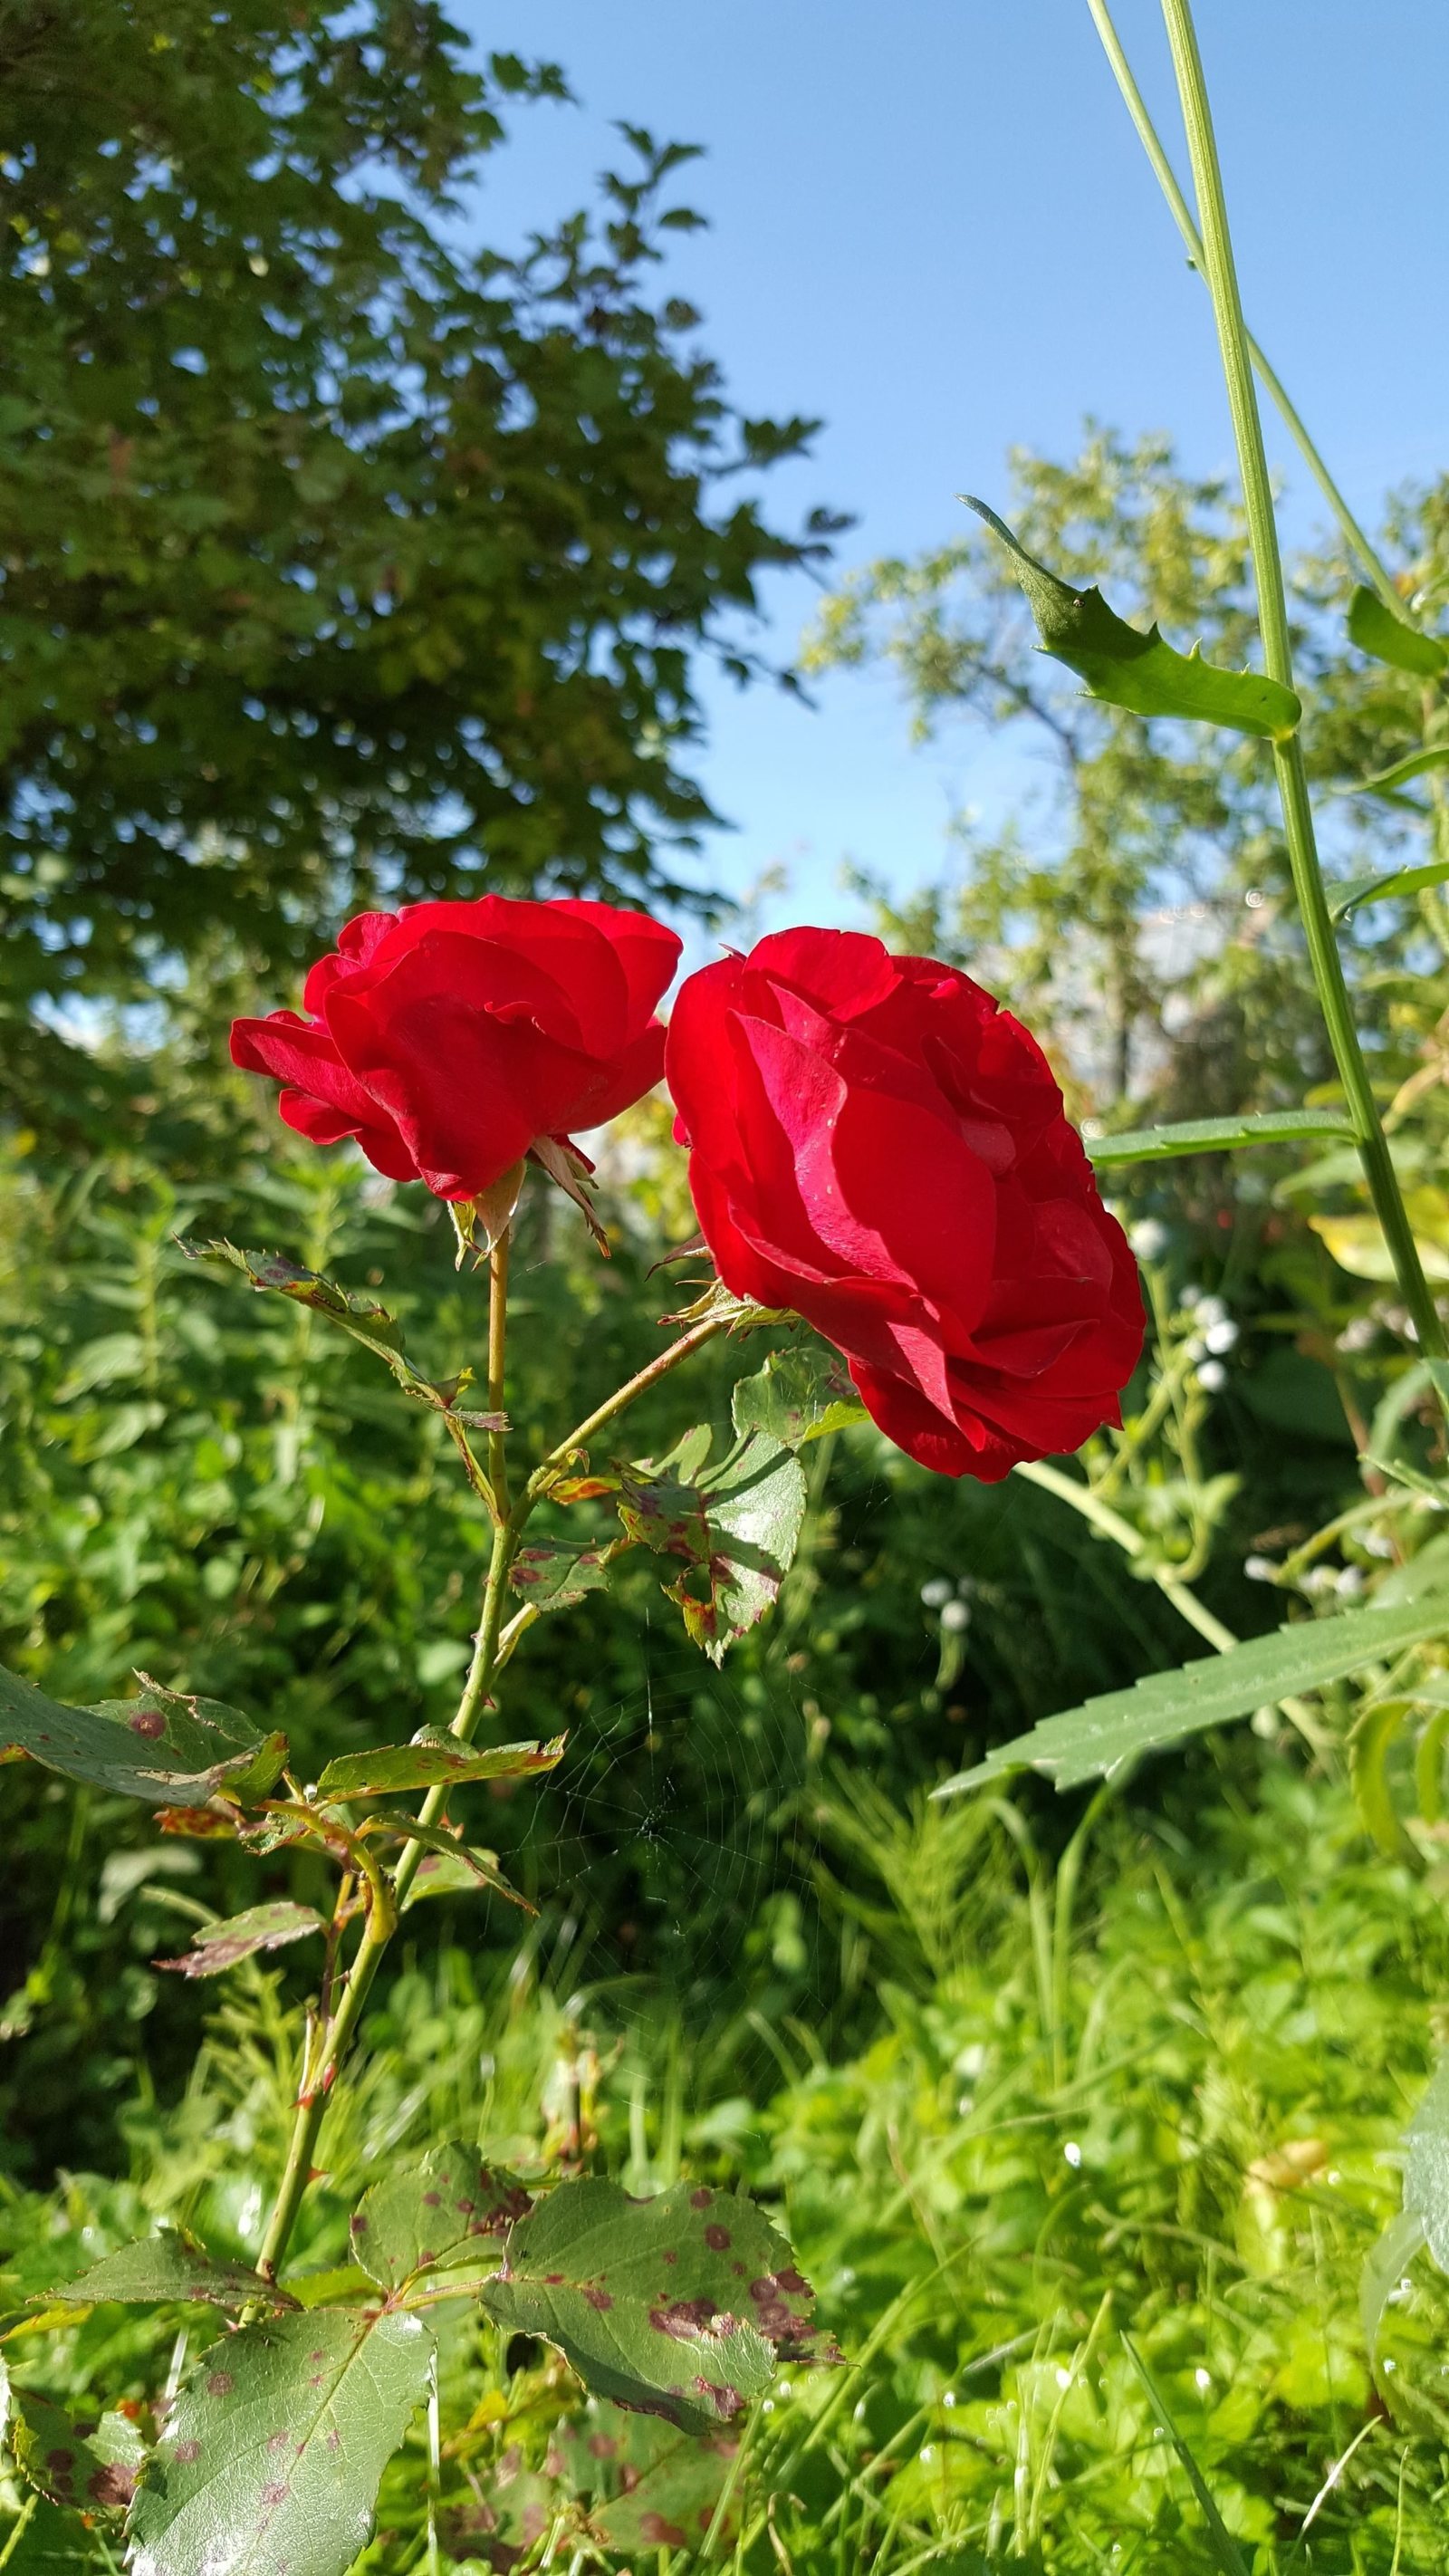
(1346, 899)
(735, 1528)
(432, 1756)
(170, 2266)
(800, 1394)
(471, 1868)
(1090, 1742)
(361, 1317)
(1376, 630)
(1126, 668)
(89, 2465)
(554, 1575)
(567, 1167)
(424, 2219)
(166, 1747)
(262, 1927)
(650, 2486)
(1216, 1135)
(1426, 2166)
(678, 2306)
(276, 2444)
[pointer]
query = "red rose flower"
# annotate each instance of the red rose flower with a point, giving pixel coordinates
(449, 1038)
(876, 1144)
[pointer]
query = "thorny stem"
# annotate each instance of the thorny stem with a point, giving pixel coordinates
(494, 1643)
(1221, 273)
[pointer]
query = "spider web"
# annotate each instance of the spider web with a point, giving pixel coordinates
(672, 1835)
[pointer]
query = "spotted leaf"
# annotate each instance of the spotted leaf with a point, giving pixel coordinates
(262, 1927)
(166, 1747)
(437, 2214)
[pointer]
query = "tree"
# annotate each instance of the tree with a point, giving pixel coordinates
(340, 562)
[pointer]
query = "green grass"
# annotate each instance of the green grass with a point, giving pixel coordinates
(1087, 2207)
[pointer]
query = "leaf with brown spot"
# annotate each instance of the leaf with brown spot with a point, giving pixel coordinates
(166, 1747)
(647, 2309)
(451, 2206)
(636, 2472)
(553, 1575)
(433, 1758)
(734, 1524)
(172, 2265)
(216, 1946)
(276, 2443)
(91, 2470)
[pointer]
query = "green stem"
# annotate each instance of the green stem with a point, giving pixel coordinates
(492, 1646)
(1222, 277)
(1360, 543)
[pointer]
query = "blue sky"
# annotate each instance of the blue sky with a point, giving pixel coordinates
(932, 225)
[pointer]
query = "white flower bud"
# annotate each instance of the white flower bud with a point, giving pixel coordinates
(1350, 1583)
(1260, 1569)
(1148, 1239)
(955, 1616)
(1210, 1310)
(1213, 1376)
(936, 1593)
(1221, 1337)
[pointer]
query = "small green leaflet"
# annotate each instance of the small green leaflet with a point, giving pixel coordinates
(735, 1525)
(262, 1927)
(275, 2447)
(1126, 668)
(165, 1747)
(553, 1574)
(1090, 1742)
(170, 2266)
(1376, 630)
(678, 2306)
(362, 1317)
(461, 1866)
(1426, 2166)
(432, 1756)
(433, 2215)
(1345, 899)
(1385, 782)
(800, 1394)
(86, 2469)
(650, 2487)
(1216, 1135)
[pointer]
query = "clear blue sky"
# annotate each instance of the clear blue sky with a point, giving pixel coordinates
(932, 225)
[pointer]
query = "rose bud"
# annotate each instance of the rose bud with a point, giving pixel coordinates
(877, 1145)
(451, 1039)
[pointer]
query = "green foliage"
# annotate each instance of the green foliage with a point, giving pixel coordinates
(1376, 630)
(1128, 669)
(735, 1523)
(168, 1747)
(430, 1758)
(1215, 1136)
(338, 555)
(801, 1394)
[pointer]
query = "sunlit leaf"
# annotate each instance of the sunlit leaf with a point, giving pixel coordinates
(169, 2266)
(1089, 1742)
(461, 1867)
(276, 2444)
(1126, 668)
(1216, 1135)
(678, 2306)
(428, 2217)
(1357, 1243)
(735, 1526)
(1385, 782)
(1346, 899)
(432, 1757)
(1426, 2166)
(262, 1927)
(166, 1747)
(799, 1395)
(649, 2486)
(553, 1575)
(1376, 630)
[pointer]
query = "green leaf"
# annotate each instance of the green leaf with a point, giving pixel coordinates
(1426, 2166)
(678, 2306)
(428, 2217)
(1345, 899)
(553, 1574)
(1228, 2556)
(1376, 630)
(1090, 1742)
(262, 1927)
(170, 2266)
(1216, 1135)
(432, 1756)
(88, 2465)
(461, 1866)
(166, 1747)
(1384, 2267)
(362, 1317)
(800, 1394)
(1126, 668)
(1398, 774)
(735, 1525)
(650, 2486)
(276, 2444)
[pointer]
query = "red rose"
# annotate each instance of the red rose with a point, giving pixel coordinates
(450, 1037)
(876, 1144)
